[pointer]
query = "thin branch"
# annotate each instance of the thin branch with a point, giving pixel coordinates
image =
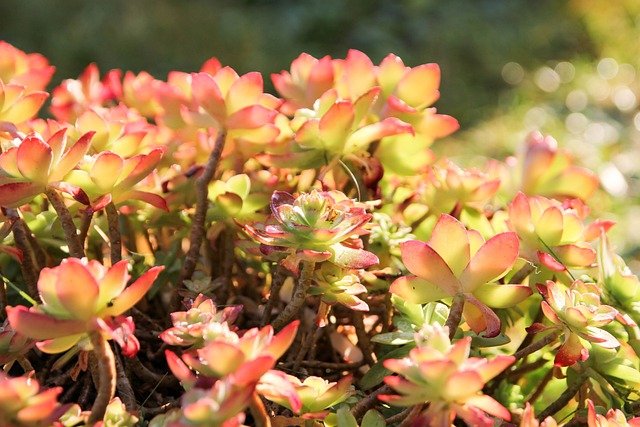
(30, 270)
(279, 276)
(542, 342)
(407, 414)
(411, 416)
(564, 398)
(199, 217)
(369, 402)
(123, 385)
(363, 339)
(312, 338)
(299, 295)
(85, 225)
(540, 387)
(76, 249)
(455, 315)
(522, 274)
(115, 238)
(107, 376)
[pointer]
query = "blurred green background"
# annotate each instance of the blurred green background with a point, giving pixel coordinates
(470, 39)
(565, 67)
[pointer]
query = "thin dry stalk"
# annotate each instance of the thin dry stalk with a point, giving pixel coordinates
(198, 224)
(76, 249)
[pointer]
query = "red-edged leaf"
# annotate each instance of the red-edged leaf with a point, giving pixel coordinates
(251, 117)
(550, 262)
(40, 326)
(423, 261)
(72, 157)
(417, 291)
(34, 158)
(493, 260)
(134, 293)
(154, 200)
(16, 194)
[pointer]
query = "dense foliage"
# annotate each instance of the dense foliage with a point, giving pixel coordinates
(308, 259)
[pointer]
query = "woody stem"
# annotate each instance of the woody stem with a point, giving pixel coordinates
(455, 314)
(76, 249)
(29, 266)
(199, 217)
(115, 239)
(107, 376)
(565, 397)
(299, 295)
(542, 342)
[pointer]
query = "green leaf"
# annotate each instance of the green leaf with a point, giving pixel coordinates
(345, 419)
(627, 374)
(239, 184)
(378, 372)
(480, 341)
(373, 418)
(394, 338)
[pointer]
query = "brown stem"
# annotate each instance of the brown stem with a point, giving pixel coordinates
(408, 421)
(564, 398)
(107, 376)
(76, 249)
(407, 413)
(522, 274)
(542, 342)
(39, 255)
(115, 238)
(123, 385)
(299, 295)
(30, 270)
(369, 402)
(84, 226)
(198, 225)
(540, 387)
(308, 343)
(258, 411)
(455, 315)
(363, 338)
(279, 276)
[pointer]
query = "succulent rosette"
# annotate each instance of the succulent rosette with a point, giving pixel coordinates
(75, 96)
(446, 188)
(459, 263)
(245, 357)
(17, 104)
(219, 406)
(316, 395)
(188, 326)
(338, 286)
(317, 226)
(79, 296)
(549, 171)
(552, 233)
(24, 404)
(107, 177)
(612, 418)
(578, 314)
(34, 164)
(442, 374)
(31, 70)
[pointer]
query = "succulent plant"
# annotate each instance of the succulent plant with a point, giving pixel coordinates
(579, 315)
(458, 263)
(442, 374)
(317, 226)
